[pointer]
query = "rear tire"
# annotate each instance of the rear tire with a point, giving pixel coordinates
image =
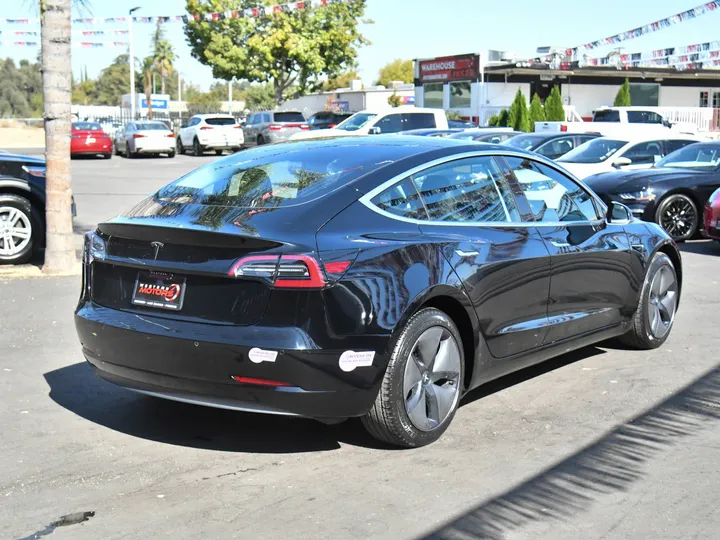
(218, 152)
(179, 146)
(17, 211)
(128, 153)
(171, 154)
(655, 314)
(197, 148)
(422, 385)
(260, 140)
(108, 156)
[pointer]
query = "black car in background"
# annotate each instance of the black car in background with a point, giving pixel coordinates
(486, 135)
(461, 124)
(374, 277)
(550, 145)
(672, 193)
(326, 119)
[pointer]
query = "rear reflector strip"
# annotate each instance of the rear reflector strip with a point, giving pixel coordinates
(337, 267)
(258, 382)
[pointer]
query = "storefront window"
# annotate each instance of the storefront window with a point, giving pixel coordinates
(704, 96)
(716, 100)
(460, 95)
(433, 95)
(644, 95)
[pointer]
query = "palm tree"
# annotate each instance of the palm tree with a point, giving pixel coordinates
(56, 76)
(163, 55)
(147, 69)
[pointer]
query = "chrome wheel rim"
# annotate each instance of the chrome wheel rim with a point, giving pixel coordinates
(679, 218)
(431, 383)
(662, 302)
(15, 231)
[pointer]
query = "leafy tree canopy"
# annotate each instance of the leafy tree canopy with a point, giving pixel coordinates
(397, 70)
(20, 89)
(295, 51)
(341, 81)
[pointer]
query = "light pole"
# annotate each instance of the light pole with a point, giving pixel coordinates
(132, 64)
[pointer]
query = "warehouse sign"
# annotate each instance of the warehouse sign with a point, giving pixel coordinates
(449, 68)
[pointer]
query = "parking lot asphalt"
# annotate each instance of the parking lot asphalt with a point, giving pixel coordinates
(601, 443)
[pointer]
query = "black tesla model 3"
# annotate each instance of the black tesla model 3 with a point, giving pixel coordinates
(375, 277)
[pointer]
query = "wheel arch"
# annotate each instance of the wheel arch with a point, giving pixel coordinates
(456, 305)
(670, 249)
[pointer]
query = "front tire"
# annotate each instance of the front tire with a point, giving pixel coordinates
(656, 309)
(422, 385)
(17, 233)
(679, 216)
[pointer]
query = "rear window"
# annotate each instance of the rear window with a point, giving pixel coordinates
(224, 121)
(89, 126)
(149, 126)
(289, 117)
(272, 177)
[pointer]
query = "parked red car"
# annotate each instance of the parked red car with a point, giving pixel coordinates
(712, 216)
(89, 139)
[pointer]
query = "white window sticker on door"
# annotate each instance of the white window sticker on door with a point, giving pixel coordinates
(349, 360)
(259, 355)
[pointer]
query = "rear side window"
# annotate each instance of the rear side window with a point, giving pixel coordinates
(392, 123)
(223, 121)
(467, 191)
(289, 117)
(644, 153)
(644, 117)
(556, 148)
(418, 121)
(402, 199)
(270, 177)
(606, 116)
(673, 145)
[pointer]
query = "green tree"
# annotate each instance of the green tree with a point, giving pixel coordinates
(147, 79)
(259, 97)
(397, 70)
(554, 110)
(20, 89)
(295, 51)
(201, 100)
(341, 81)
(84, 93)
(163, 55)
(622, 99)
(395, 100)
(537, 112)
(494, 120)
(114, 81)
(503, 118)
(518, 117)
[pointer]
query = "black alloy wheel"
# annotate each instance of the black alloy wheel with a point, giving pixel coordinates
(678, 215)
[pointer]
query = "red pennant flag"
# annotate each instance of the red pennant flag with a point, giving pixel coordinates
(276, 9)
(300, 5)
(255, 12)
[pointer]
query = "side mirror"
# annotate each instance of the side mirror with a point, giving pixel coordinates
(667, 123)
(618, 213)
(621, 162)
(374, 130)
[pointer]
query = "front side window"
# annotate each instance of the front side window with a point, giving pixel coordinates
(556, 148)
(265, 118)
(552, 196)
(460, 94)
(402, 199)
(524, 142)
(677, 144)
(433, 95)
(644, 153)
(468, 190)
(594, 151)
(392, 123)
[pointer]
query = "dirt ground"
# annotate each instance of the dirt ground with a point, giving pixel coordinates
(21, 137)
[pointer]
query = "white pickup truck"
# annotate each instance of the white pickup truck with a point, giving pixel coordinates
(625, 121)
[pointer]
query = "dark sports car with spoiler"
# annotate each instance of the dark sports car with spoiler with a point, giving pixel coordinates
(372, 277)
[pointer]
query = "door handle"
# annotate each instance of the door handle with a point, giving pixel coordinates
(559, 244)
(462, 253)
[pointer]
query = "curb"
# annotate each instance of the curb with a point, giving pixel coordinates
(25, 271)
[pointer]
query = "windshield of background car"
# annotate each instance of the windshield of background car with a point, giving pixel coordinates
(150, 126)
(87, 126)
(289, 117)
(524, 142)
(278, 176)
(356, 121)
(695, 157)
(224, 121)
(594, 151)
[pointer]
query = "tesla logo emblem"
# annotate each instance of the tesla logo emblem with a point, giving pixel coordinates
(157, 246)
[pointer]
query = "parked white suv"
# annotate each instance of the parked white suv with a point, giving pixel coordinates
(377, 123)
(204, 132)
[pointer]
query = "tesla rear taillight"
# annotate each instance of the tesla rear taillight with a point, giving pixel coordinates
(138, 136)
(205, 127)
(258, 382)
(287, 271)
(274, 127)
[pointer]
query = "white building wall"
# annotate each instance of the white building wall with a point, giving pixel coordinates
(588, 97)
(682, 96)
(502, 94)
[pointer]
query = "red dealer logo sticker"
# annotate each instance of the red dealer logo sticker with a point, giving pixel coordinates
(169, 292)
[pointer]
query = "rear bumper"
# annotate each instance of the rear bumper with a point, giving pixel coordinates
(195, 362)
(156, 148)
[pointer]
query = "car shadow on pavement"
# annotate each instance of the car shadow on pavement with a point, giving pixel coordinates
(79, 390)
(701, 247)
(609, 465)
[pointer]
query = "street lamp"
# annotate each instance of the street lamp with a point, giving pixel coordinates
(132, 65)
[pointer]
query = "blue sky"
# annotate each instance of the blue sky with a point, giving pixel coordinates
(412, 29)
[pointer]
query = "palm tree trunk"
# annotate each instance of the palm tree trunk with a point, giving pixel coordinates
(56, 75)
(148, 93)
(162, 85)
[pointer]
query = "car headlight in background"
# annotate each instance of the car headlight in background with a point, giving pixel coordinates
(94, 248)
(37, 172)
(645, 195)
